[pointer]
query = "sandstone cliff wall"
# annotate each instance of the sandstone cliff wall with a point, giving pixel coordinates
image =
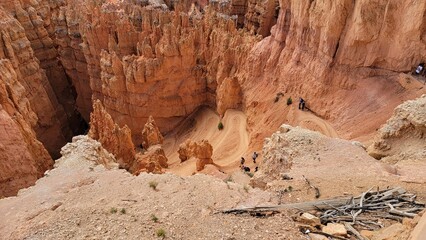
(347, 60)
(23, 158)
(142, 60)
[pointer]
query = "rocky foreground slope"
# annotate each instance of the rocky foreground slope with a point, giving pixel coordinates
(81, 199)
(350, 61)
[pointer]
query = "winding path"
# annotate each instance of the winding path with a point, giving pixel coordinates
(228, 145)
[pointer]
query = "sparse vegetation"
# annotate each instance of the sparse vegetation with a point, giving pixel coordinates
(246, 188)
(289, 101)
(220, 126)
(113, 210)
(250, 174)
(161, 233)
(123, 211)
(153, 185)
(288, 189)
(154, 218)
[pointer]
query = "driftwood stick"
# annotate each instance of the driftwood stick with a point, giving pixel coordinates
(401, 213)
(317, 192)
(352, 230)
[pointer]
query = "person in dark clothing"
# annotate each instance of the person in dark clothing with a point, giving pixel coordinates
(254, 157)
(301, 104)
(242, 161)
(256, 169)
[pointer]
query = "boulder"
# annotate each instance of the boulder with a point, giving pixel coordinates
(335, 229)
(309, 219)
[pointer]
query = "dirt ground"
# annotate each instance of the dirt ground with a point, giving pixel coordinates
(78, 200)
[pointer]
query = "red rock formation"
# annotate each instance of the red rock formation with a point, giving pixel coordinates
(144, 61)
(345, 59)
(113, 138)
(202, 151)
(261, 16)
(34, 49)
(151, 135)
(229, 95)
(23, 159)
(118, 141)
(153, 160)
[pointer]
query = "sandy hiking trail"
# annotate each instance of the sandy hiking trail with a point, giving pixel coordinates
(232, 143)
(308, 120)
(228, 144)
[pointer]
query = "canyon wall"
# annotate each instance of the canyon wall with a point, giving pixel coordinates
(350, 61)
(142, 60)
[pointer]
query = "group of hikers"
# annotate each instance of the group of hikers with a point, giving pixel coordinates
(243, 160)
(302, 106)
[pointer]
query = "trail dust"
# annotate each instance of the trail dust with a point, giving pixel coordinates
(228, 144)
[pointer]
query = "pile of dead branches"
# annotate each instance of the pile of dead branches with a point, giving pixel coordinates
(366, 210)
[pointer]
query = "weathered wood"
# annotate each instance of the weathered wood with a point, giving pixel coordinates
(303, 206)
(352, 230)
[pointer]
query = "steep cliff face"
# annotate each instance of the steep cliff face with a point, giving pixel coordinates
(51, 127)
(346, 59)
(118, 141)
(142, 60)
(23, 158)
(261, 16)
(31, 35)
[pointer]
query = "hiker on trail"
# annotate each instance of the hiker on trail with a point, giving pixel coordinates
(254, 157)
(242, 161)
(301, 104)
(256, 168)
(420, 68)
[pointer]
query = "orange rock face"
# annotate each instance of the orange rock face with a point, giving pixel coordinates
(23, 158)
(153, 160)
(144, 61)
(202, 151)
(118, 141)
(113, 138)
(27, 34)
(346, 60)
(151, 135)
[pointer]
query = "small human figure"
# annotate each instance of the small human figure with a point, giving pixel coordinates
(256, 169)
(242, 161)
(301, 104)
(254, 157)
(420, 68)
